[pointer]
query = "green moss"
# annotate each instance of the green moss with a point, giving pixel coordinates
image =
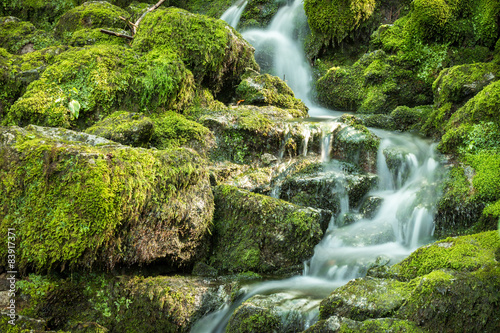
(75, 204)
(22, 37)
(43, 14)
(381, 325)
(249, 318)
(361, 299)
(376, 83)
(458, 208)
(407, 118)
(487, 175)
(216, 55)
(268, 90)
(447, 300)
(98, 14)
(91, 76)
(334, 20)
(83, 37)
(465, 253)
(264, 234)
(459, 83)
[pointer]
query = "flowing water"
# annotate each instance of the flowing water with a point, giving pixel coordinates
(233, 14)
(408, 174)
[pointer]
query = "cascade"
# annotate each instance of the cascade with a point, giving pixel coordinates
(233, 14)
(407, 172)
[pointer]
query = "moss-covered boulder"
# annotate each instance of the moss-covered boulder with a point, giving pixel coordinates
(101, 79)
(265, 89)
(376, 83)
(43, 14)
(80, 200)
(248, 318)
(325, 187)
(336, 324)
(98, 303)
(366, 298)
(92, 14)
(463, 254)
(166, 130)
(354, 143)
(215, 53)
(19, 37)
(245, 133)
(264, 234)
(449, 285)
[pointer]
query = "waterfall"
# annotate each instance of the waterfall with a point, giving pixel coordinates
(407, 168)
(233, 14)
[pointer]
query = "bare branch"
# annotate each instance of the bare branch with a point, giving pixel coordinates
(116, 34)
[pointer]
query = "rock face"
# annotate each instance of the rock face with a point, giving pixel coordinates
(449, 285)
(264, 234)
(80, 200)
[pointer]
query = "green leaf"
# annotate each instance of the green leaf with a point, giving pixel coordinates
(74, 107)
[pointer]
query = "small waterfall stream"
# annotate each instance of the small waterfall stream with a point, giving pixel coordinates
(407, 171)
(233, 14)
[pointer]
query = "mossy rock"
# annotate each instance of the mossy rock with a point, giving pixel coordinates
(365, 298)
(463, 254)
(162, 131)
(461, 302)
(19, 37)
(248, 318)
(90, 36)
(265, 89)
(376, 83)
(215, 53)
(102, 78)
(335, 20)
(91, 202)
(264, 235)
(244, 133)
(355, 144)
(43, 14)
(17, 72)
(460, 83)
(336, 324)
(407, 118)
(92, 14)
(99, 303)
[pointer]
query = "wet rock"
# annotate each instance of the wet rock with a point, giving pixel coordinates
(292, 313)
(263, 235)
(94, 202)
(245, 133)
(336, 324)
(326, 189)
(268, 158)
(250, 318)
(370, 206)
(365, 298)
(166, 130)
(354, 143)
(264, 89)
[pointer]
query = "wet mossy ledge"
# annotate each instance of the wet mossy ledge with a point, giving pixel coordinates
(264, 234)
(102, 303)
(77, 200)
(448, 285)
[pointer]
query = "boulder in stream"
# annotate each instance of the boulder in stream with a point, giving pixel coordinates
(253, 232)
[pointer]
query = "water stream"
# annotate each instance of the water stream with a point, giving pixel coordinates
(407, 171)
